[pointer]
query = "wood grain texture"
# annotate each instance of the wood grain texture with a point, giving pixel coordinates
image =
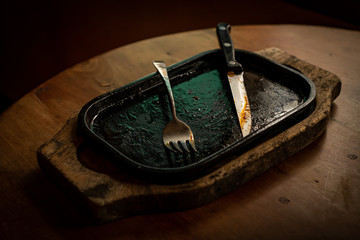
(112, 194)
(313, 194)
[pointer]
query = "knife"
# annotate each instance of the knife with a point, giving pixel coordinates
(235, 74)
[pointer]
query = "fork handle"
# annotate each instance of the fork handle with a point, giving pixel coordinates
(161, 68)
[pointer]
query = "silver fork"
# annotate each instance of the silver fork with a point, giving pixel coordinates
(176, 132)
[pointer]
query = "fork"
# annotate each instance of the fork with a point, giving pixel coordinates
(176, 133)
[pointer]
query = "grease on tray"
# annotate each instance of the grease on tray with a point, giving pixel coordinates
(204, 102)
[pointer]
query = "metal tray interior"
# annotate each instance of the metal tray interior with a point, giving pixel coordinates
(128, 121)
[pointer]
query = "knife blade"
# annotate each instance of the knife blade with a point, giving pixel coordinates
(235, 74)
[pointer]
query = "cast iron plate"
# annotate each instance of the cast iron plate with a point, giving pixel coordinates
(128, 121)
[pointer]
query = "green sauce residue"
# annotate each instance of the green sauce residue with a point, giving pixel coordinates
(205, 104)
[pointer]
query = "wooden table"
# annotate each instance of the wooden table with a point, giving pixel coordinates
(315, 193)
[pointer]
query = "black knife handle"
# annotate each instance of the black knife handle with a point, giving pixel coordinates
(226, 44)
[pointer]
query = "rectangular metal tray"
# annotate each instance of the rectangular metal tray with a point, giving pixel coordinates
(128, 122)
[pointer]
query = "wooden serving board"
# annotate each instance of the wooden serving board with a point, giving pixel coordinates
(89, 177)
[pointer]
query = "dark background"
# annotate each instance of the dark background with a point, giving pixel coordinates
(42, 38)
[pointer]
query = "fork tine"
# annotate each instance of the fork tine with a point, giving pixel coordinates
(169, 146)
(192, 144)
(173, 147)
(184, 145)
(176, 146)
